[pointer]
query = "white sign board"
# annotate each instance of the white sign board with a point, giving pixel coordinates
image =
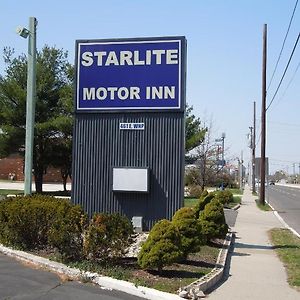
(131, 180)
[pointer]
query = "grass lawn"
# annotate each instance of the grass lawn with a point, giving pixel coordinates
(189, 202)
(287, 246)
(265, 207)
(236, 191)
(236, 200)
(10, 192)
(17, 192)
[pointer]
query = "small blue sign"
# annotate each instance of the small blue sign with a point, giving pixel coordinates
(136, 74)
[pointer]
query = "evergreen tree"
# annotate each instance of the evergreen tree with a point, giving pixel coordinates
(53, 115)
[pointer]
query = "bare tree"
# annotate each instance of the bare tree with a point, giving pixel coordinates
(208, 164)
(207, 156)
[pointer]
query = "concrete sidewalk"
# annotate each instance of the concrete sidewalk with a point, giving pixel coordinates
(19, 185)
(254, 272)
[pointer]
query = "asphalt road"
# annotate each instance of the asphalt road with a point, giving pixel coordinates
(18, 281)
(286, 200)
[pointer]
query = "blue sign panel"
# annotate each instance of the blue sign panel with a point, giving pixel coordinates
(134, 74)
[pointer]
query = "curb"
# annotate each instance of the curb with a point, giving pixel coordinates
(103, 281)
(283, 222)
(236, 207)
(196, 289)
(193, 291)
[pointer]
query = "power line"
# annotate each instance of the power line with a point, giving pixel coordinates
(292, 78)
(281, 123)
(283, 44)
(283, 75)
(284, 124)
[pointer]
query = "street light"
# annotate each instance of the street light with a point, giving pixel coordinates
(222, 163)
(223, 150)
(30, 101)
(223, 142)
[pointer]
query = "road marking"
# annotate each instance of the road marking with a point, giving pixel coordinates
(283, 222)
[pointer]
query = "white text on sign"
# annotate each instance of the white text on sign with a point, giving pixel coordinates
(129, 58)
(132, 126)
(128, 93)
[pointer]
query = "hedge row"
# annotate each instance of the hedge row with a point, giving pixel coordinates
(172, 241)
(39, 222)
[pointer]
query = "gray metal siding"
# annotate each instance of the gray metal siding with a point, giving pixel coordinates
(99, 145)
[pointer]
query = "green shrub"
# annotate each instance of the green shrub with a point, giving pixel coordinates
(190, 230)
(25, 221)
(204, 194)
(162, 247)
(39, 221)
(225, 197)
(66, 232)
(212, 220)
(107, 237)
(203, 201)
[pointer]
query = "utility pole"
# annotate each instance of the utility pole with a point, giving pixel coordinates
(241, 171)
(253, 148)
(263, 119)
(294, 170)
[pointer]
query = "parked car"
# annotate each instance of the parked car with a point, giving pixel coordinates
(272, 183)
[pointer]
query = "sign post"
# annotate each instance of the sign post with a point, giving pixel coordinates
(129, 115)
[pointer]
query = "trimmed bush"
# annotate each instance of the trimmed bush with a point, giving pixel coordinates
(204, 194)
(66, 232)
(190, 230)
(225, 197)
(212, 220)
(40, 221)
(107, 237)
(203, 201)
(162, 247)
(25, 221)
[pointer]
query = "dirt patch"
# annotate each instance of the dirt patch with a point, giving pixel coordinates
(171, 279)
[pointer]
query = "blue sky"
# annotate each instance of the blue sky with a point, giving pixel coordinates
(224, 56)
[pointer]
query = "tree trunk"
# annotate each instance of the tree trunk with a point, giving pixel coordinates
(203, 174)
(38, 176)
(64, 175)
(65, 182)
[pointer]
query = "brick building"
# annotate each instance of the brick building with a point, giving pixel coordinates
(14, 164)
